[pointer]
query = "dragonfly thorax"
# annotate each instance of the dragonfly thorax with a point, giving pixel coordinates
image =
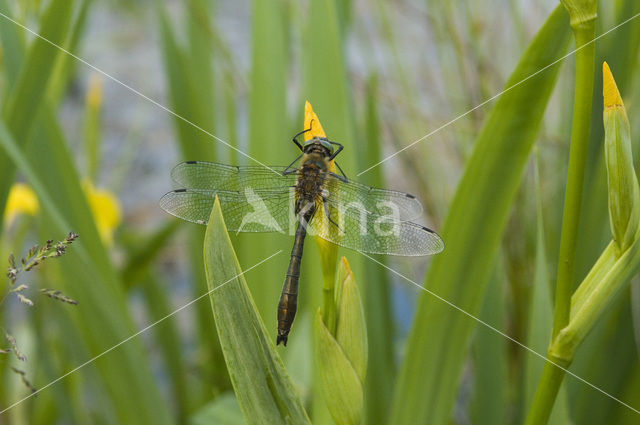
(311, 179)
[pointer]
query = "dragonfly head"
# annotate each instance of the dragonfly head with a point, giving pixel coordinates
(318, 143)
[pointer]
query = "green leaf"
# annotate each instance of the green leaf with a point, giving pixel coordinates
(223, 410)
(437, 345)
(541, 322)
(157, 298)
(376, 293)
(269, 140)
(28, 91)
(190, 103)
(103, 320)
(339, 381)
(490, 356)
(261, 383)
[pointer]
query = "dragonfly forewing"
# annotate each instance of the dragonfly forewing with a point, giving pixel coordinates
(402, 206)
(214, 176)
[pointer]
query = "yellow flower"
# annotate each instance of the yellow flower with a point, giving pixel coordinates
(21, 200)
(105, 209)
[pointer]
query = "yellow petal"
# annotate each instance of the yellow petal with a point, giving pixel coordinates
(609, 88)
(21, 200)
(105, 209)
(311, 121)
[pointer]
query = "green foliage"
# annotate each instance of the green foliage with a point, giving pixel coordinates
(261, 383)
(380, 75)
(461, 272)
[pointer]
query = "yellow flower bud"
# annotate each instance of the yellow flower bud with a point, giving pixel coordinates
(624, 192)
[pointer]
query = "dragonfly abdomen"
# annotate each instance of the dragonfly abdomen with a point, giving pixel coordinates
(288, 303)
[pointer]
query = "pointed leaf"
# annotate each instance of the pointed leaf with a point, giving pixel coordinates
(261, 383)
(437, 346)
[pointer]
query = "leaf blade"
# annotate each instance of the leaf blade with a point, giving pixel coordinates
(261, 383)
(488, 186)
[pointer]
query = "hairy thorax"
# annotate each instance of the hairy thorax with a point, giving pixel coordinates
(311, 177)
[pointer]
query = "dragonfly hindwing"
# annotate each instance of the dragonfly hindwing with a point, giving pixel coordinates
(260, 214)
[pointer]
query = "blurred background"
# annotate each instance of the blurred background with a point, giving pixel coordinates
(156, 83)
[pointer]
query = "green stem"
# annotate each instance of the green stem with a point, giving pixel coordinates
(552, 375)
(546, 392)
(584, 35)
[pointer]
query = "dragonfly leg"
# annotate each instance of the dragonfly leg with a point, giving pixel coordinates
(295, 138)
(290, 170)
(340, 147)
(328, 214)
(342, 177)
(345, 176)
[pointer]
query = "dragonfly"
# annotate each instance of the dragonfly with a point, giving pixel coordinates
(306, 199)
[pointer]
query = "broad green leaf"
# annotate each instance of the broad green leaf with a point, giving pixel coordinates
(490, 366)
(261, 383)
(437, 345)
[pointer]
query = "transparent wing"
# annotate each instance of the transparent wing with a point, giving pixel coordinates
(213, 176)
(402, 206)
(246, 211)
(361, 230)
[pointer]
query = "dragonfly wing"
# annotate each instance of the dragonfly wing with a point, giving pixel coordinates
(399, 205)
(360, 230)
(213, 176)
(247, 211)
